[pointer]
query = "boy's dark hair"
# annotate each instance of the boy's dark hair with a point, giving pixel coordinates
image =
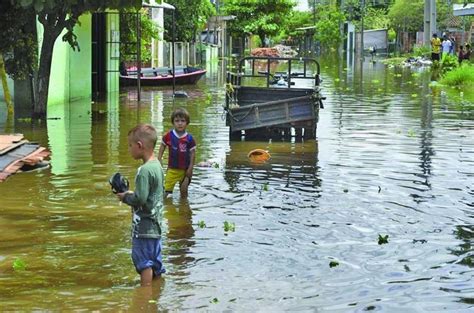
(180, 112)
(145, 133)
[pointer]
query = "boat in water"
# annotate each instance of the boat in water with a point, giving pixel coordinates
(160, 76)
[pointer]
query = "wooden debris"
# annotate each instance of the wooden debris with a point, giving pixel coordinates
(17, 152)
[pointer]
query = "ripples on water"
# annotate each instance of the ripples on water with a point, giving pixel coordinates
(392, 157)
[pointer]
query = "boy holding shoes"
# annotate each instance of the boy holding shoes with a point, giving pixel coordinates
(146, 202)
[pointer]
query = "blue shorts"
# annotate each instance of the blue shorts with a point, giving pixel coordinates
(146, 253)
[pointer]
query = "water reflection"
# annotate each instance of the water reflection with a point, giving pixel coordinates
(294, 165)
(388, 160)
(180, 235)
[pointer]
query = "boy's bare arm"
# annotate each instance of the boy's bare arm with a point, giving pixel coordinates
(189, 171)
(161, 151)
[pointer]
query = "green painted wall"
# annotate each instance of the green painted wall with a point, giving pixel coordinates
(71, 73)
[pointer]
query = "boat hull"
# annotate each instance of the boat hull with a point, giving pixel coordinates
(180, 79)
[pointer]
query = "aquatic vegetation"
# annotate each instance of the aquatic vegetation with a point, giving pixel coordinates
(394, 61)
(414, 95)
(462, 76)
(214, 300)
(202, 224)
(228, 226)
(411, 133)
(383, 239)
(19, 265)
(177, 245)
(265, 187)
(333, 264)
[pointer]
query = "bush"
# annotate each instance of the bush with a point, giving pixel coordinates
(458, 77)
(422, 51)
(448, 62)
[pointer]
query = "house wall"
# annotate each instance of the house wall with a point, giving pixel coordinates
(71, 75)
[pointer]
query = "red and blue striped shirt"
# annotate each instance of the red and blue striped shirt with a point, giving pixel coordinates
(179, 148)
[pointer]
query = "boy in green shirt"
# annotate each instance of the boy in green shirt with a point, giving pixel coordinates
(146, 202)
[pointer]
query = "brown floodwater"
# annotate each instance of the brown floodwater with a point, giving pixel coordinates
(393, 156)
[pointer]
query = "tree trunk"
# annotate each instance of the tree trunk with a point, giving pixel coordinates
(6, 91)
(53, 26)
(262, 40)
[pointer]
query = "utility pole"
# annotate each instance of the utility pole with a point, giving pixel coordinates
(362, 30)
(429, 26)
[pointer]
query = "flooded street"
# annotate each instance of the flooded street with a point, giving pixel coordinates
(393, 156)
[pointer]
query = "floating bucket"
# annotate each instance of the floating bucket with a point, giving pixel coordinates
(259, 156)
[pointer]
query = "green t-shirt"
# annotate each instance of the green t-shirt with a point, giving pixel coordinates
(147, 201)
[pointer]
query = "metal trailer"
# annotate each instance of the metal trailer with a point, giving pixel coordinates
(279, 106)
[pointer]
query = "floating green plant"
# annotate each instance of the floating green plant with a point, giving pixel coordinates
(414, 95)
(383, 239)
(19, 265)
(202, 224)
(214, 300)
(177, 245)
(333, 264)
(228, 226)
(215, 165)
(265, 187)
(337, 80)
(411, 133)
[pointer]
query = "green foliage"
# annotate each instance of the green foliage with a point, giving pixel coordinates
(265, 187)
(191, 17)
(448, 62)
(258, 17)
(19, 265)
(421, 50)
(202, 224)
(149, 30)
(229, 226)
(383, 239)
(18, 43)
(459, 77)
(328, 25)
(333, 264)
(295, 20)
(408, 15)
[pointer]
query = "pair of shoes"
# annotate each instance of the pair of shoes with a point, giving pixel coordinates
(118, 183)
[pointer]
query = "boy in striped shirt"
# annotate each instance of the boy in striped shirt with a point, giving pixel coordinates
(181, 153)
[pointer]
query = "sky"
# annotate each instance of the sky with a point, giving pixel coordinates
(302, 5)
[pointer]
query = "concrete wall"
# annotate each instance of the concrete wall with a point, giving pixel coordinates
(71, 75)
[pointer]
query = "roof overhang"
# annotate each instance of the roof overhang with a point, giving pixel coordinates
(463, 9)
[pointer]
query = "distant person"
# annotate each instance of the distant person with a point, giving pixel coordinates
(453, 43)
(460, 54)
(467, 52)
(181, 153)
(446, 47)
(146, 202)
(435, 48)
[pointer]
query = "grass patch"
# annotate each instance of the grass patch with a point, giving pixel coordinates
(462, 76)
